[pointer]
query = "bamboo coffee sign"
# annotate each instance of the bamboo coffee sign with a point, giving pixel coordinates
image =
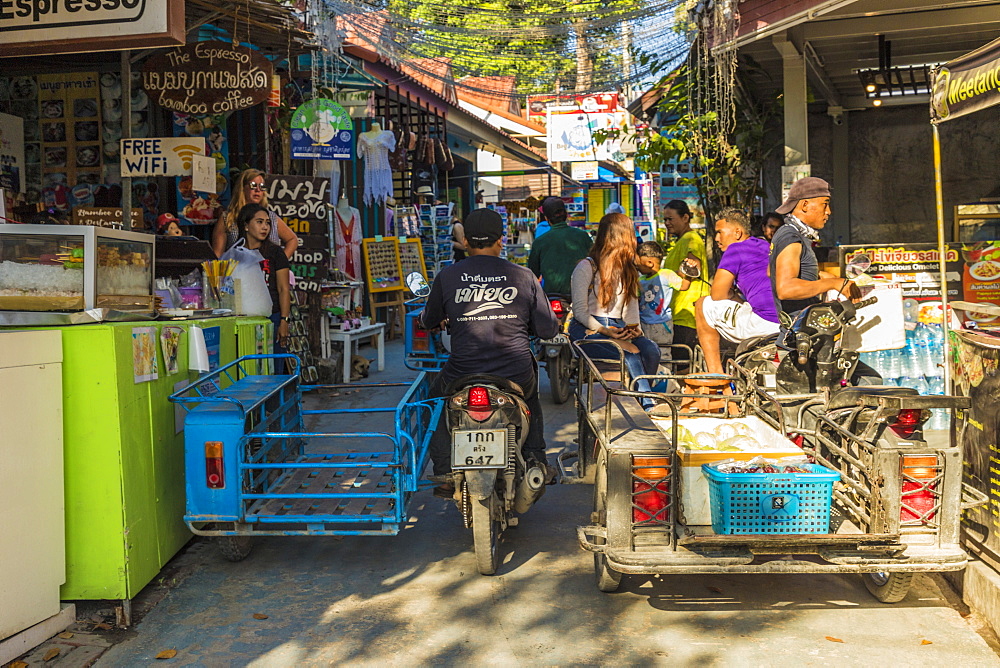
(208, 78)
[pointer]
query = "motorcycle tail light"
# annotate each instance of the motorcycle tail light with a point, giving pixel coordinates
(557, 307)
(909, 420)
(479, 397)
(920, 475)
(650, 489)
(215, 476)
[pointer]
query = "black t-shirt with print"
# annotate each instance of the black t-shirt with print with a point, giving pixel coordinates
(493, 307)
(274, 261)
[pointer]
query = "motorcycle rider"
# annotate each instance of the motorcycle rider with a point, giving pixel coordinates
(492, 308)
(796, 279)
(554, 256)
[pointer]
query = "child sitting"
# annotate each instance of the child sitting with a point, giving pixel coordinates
(656, 290)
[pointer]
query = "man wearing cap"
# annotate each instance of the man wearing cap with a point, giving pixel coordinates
(554, 256)
(795, 276)
(492, 308)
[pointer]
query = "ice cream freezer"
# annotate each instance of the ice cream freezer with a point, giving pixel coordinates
(123, 444)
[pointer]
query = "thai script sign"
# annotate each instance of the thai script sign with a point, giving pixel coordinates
(207, 78)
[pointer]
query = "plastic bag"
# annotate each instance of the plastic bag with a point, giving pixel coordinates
(254, 297)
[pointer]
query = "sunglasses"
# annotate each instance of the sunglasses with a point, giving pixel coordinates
(256, 186)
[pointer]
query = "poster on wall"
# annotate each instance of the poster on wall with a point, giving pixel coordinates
(11, 154)
(321, 130)
(19, 98)
(199, 207)
(144, 366)
(69, 113)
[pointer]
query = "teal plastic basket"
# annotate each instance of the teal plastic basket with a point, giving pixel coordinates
(794, 503)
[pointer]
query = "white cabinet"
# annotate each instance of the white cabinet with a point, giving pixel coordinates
(32, 534)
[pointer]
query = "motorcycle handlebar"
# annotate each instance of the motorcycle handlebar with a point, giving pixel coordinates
(866, 302)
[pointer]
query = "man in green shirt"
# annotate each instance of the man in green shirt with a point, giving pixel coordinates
(555, 254)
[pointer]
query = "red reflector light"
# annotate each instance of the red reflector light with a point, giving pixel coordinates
(650, 488)
(557, 307)
(215, 476)
(919, 493)
(479, 397)
(908, 420)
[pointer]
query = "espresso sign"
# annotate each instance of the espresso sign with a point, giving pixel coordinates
(208, 78)
(39, 27)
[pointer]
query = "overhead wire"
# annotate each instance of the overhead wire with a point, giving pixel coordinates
(538, 43)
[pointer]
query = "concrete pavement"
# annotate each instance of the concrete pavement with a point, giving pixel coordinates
(416, 599)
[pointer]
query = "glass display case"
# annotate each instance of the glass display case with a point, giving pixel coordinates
(75, 268)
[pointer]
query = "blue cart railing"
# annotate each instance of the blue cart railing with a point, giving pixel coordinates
(252, 468)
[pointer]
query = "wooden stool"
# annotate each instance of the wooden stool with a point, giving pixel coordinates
(707, 395)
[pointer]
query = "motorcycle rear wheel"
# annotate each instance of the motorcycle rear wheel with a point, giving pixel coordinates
(486, 534)
(560, 369)
(888, 587)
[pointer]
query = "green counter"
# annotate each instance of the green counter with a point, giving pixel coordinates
(124, 456)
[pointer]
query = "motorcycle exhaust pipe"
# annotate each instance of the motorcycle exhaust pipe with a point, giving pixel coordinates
(530, 490)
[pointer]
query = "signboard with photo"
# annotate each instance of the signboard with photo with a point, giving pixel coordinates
(321, 130)
(69, 114)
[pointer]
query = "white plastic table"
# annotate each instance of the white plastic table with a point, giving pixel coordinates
(350, 340)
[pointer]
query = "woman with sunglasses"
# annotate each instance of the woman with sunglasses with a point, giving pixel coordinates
(249, 189)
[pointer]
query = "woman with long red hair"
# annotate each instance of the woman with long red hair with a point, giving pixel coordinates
(605, 288)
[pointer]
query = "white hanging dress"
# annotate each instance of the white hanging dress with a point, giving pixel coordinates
(374, 147)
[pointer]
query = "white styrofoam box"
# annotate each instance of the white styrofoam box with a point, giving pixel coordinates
(695, 507)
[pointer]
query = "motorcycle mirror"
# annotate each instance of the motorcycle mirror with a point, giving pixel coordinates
(417, 284)
(858, 265)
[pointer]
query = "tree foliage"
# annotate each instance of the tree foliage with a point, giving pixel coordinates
(547, 45)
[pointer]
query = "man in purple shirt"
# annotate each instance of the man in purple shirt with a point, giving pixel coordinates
(743, 266)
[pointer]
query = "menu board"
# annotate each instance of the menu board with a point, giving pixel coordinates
(69, 113)
(972, 272)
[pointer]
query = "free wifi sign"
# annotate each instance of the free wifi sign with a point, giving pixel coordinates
(160, 156)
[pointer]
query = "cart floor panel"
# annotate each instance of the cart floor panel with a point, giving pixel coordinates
(332, 479)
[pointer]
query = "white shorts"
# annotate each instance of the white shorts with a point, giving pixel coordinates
(736, 320)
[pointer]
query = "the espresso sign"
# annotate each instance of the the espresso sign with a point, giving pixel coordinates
(207, 78)
(38, 27)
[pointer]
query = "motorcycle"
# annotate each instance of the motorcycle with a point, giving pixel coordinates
(488, 422)
(556, 353)
(871, 433)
